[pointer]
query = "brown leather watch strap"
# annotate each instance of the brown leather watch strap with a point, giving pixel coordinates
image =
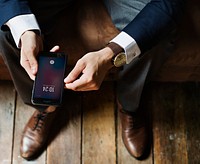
(115, 48)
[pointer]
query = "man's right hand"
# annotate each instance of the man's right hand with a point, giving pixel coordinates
(31, 44)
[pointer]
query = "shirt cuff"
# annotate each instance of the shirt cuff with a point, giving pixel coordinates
(129, 45)
(19, 24)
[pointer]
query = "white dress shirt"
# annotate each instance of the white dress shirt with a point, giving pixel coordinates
(19, 24)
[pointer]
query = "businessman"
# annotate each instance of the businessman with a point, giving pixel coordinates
(142, 24)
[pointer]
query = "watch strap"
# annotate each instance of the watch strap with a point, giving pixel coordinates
(115, 48)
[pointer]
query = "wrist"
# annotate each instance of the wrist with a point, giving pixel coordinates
(107, 55)
(118, 58)
(31, 40)
(28, 34)
(36, 32)
(31, 33)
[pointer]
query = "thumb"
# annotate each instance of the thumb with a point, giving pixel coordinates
(55, 48)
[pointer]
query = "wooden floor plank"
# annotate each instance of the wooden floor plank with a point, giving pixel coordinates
(7, 107)
(176, 130)
(192, 121)
(65, 148)
(23, 113)
(169, 124)
(99, 127)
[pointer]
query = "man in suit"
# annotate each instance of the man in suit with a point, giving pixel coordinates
(142, 23)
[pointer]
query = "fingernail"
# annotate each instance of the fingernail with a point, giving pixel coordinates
(65, 80)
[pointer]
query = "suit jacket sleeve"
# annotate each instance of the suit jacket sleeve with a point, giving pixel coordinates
(12, 8)
(154, 21)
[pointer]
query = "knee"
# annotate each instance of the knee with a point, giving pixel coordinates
(6, 40)
(2, 38)
(7, 45)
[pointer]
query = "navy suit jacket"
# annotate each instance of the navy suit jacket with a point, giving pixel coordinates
(156, 19)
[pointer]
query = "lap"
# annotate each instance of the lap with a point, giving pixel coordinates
(123, 12)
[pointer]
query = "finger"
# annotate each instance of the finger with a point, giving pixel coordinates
(82, 89)
(77, 84)
(74, 74)
(33, 62)
(55, 48)
(26, 66)
(82, 84)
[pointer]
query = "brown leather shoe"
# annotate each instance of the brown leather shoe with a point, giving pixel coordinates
(35, 134)
(134, 133)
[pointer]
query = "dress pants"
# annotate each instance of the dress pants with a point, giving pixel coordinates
(140, 71)
(131, 79)
(11, 56)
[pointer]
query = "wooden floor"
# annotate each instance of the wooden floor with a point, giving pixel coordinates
(88, 130)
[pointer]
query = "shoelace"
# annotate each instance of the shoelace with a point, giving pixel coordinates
(133, 123)
(39, 118)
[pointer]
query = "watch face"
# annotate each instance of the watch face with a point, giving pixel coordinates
(120, 60)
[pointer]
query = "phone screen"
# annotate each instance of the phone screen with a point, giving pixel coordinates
(49, 85)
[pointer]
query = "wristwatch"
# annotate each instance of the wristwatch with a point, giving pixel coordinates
(119, 58)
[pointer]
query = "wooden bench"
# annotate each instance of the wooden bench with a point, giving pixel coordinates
(93, 28)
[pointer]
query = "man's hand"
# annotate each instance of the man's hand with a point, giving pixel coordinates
(31, 44)
(89, 71)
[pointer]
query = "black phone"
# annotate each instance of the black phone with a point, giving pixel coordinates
(49, 82)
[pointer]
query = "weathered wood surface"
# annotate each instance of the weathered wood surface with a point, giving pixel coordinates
(65, 143)
(99, 127)
(176, 126)
(191, 108)
(169, 126)
(7, 110)
(88, 129)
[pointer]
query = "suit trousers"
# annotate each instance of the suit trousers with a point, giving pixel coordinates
(131, 79)
(134, 76)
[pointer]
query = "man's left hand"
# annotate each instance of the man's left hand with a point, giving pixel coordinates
(89, 71)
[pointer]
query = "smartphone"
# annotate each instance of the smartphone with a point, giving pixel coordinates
(49, 82)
